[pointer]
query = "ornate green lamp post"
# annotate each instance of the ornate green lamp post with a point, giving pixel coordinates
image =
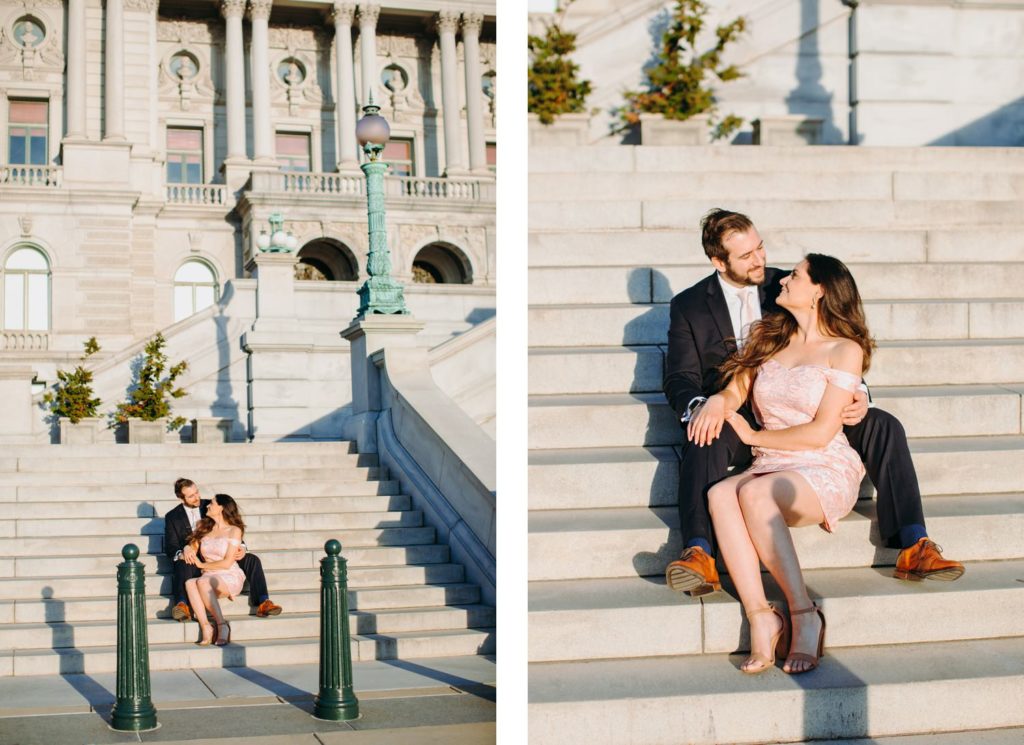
(133, 710)
(336, 700)
(380, 293)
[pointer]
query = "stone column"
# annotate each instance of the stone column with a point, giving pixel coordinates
(471, 23)
(259, 54)
(447, 24)
(368, 15)
(76, 69)
(234, 83)
(345, 117)
(113, 72)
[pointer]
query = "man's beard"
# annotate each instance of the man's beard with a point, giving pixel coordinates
(743, 279)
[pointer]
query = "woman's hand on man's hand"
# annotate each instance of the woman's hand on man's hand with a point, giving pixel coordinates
(743, 429)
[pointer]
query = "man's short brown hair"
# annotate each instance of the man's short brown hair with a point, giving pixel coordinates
(180, 484)
(716, 225)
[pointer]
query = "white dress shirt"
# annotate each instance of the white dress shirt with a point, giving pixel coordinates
(192, 513)
(734, 301)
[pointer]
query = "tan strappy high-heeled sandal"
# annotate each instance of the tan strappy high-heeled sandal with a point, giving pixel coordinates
(802, 657)
(780, 642)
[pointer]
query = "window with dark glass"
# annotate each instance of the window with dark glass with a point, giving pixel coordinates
(26, 132)
(293, 151)
(398, 154)
(184, 155)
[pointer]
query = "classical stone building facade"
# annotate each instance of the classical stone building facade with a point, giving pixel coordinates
(146, 143)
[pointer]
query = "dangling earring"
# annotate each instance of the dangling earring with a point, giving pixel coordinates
(814, 301)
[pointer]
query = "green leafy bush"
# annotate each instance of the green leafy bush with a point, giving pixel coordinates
(149, 399)
(553, 87)
(676, 86)
(72, 396)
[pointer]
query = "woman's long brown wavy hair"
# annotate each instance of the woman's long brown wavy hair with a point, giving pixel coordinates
(840, 314)
(231, 516)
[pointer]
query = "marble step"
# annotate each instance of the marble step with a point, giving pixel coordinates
(250, 653)
(631, 541)
(72, 608)
(101, 584)
(151, 492)
(251, 507)
(623, 420)
(617, 324)
(658, 284)
(232, 469)
(210, 481)
(77, 545)
(225, 450)
(55, 567)
(51, 527)
(857, 692)
(640, 369)
(584, 619)
(584, 478)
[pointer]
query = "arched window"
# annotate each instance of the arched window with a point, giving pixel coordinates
(441, 263)
(326, 260)
(195, 288)
(27, 291)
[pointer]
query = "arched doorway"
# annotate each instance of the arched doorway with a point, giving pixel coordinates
(441, 263)
(326, 260)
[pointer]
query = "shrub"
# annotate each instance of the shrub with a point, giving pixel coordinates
(72, 396)
(676, 85)
(553, 87)
(149, 398)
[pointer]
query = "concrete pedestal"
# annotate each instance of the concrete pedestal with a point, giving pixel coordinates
(16, 393)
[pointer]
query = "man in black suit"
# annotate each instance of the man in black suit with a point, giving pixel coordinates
(706, 321)
(178, 525)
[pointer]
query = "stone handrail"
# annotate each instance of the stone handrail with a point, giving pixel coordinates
(324, 183)
(21, 175)
(33, 341)
(346, 185)
(437, 188)
(197, 194)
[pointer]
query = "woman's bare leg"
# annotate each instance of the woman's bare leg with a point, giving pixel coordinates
(195, 598)
(742, 561)
(211, 588)
(770, 505)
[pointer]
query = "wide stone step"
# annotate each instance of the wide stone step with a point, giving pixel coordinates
(252, 653)
(251, 507)
(658, 284)
(639, 369)
(225, 450)
(618, 420)
(68, 585)
(77, 545)
(684, 161)
(153, 492)
(229, 469)
(627, 542)
(730, 186)
(637, 324)
(81, 635)
(210, 481)
(54, 567)
(641, 477)
(147, 526)
(857, 692)
(584, 619)
(658, 213)
(785, 246)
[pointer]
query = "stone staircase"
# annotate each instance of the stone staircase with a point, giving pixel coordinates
(935, 239)
(70, 510)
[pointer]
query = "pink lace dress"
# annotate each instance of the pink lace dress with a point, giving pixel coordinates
(215, 549)
(785, 397)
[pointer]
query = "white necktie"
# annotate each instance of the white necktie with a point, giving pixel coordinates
(748, 312)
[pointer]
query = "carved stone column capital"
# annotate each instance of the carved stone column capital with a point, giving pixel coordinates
(447, 20)
(260, 9)
(343, 14)
(147, 6)
(368, 15)
(472, 22)
(232, 8)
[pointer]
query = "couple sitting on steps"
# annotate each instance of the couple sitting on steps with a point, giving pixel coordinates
(203, 540)
(764, 369)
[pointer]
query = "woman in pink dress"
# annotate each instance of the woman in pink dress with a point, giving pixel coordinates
(801, 368)
(217, 536)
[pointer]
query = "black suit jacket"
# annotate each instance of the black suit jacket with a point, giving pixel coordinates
(177, 529)
(700, 337)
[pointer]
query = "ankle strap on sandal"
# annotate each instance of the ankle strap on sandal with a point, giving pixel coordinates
(813, 607)
(769, 609)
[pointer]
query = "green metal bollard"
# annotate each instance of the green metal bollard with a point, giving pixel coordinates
(336, 701)
(133, 711)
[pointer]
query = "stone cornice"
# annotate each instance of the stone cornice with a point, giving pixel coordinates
(146, 6)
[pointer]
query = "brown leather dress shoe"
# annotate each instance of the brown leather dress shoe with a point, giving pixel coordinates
(267, 608)
(693, 572)
(924, 560)
(181, 613)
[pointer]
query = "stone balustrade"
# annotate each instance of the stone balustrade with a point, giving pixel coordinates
(31, 341)
(22, 175)
(214, 195)
(433, 189)
(324, 183)
(468, 190)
